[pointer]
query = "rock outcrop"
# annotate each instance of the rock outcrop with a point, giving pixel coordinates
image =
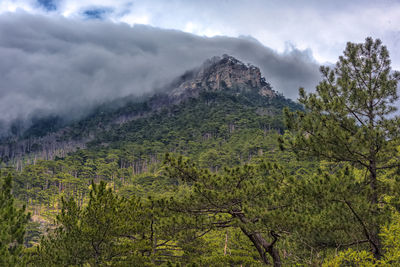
(221, 73)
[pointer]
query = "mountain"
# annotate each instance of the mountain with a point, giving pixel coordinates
(221, 114)
(205, 173)
(215, 79)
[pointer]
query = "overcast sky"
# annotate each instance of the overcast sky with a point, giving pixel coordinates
(59, 56)
(324, 26)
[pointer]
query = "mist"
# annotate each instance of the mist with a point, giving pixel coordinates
(64, 67)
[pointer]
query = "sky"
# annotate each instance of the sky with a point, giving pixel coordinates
(65, 56)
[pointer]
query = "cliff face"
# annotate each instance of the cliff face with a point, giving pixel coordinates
(221, 73)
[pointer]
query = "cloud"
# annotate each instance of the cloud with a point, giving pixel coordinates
(64, 66)
(49, 5)
(324, 27)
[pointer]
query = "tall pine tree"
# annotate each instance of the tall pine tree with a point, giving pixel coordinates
(12, 227)
(350, 118)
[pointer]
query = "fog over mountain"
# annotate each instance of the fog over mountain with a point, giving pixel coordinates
(55, 65)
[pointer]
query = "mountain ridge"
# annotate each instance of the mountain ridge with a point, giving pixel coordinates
(219, 74)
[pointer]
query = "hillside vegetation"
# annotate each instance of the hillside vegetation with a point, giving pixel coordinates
(219, 170)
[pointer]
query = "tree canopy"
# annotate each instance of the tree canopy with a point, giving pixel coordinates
(12, 225)
(351, 119)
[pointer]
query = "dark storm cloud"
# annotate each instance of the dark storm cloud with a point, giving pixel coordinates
(64, 66)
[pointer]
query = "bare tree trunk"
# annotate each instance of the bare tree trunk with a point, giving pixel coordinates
(375, 243)
(263, 247)
(226, 243)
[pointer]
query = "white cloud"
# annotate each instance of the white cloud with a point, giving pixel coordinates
(133, 19)
(13, 6)
(198, 29)
(322, 26)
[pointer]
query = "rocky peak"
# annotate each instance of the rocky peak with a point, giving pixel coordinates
(221, 73)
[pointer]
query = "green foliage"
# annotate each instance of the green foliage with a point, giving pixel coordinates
(249, 198)
(217, 129)
(391, 245)
(328, 213)
(196, 119)
(43, 126)
(108, 231)
(350, 120)
(13, 221)
(228, 247)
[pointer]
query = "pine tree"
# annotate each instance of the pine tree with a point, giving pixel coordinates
(248, 198)
(12, 227)
(391, 244)
(351, 119)
(110, 230)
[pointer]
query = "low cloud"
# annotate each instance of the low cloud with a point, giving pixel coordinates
(64, 66)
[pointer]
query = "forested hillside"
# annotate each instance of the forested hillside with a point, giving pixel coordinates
(217, 170)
